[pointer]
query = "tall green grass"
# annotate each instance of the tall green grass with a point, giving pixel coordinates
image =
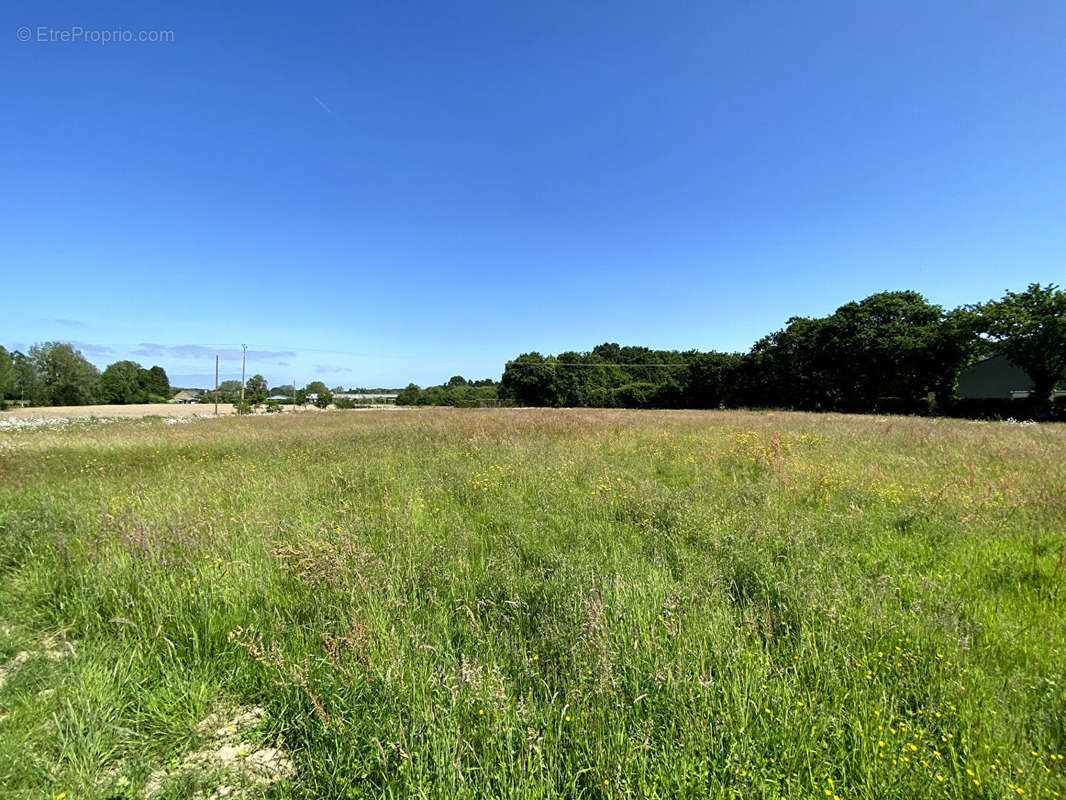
(541, 603)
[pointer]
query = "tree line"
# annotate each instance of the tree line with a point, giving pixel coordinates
(893, 351)
(55, 374)
(458, 391)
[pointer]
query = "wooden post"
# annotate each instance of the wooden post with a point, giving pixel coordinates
(216, 384)
(244, 357)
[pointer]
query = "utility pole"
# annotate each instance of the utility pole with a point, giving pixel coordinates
(216, 384)
(244, 358)
(294, 395)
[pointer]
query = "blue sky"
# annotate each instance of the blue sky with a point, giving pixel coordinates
(378, 192)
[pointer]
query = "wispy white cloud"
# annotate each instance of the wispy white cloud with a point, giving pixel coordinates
(199, 351)
(89, 349)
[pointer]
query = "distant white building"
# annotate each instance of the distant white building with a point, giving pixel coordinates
(362, 396)
(186, 396)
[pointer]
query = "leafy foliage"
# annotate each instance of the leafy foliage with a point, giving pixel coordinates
(66, 377)
(128, 382)
(154, 383)
(255, 390)
(458, 392)
(892, 351)
(1029, 328)
(229, 391)
(7, 375)
(120, 383)
(29, 386)
(322, 395)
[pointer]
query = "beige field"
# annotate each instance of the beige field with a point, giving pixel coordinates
(134, 410)
(137, 410)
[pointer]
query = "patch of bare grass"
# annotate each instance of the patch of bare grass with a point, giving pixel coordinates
(229, 766)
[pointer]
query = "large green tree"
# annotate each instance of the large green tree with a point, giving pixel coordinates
(890, 345)
(409, 396)
(531, 380)
(7, 376)
(711, 379)
(29, 387)
(255, 390)
(154, 383)
(577, 379)
(788, 369)
(1029, 328)
(120, 383)
(69, 380)
(893, 348)
(323, 396)
(465, 394)
(229, 391)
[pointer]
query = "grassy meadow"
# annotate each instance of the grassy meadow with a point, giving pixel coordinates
(535, 603)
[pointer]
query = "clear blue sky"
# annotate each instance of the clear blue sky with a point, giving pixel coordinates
(377, 192)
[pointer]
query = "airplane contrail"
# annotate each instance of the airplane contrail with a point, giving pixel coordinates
(324, 106)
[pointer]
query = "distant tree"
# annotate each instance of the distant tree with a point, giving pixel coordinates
(468, 394)
(337, 390)
(953, 344)
(636, 395)
(587, 379)
(1029, 328)
(67, 377)
(229, 391)
(710, 380)
(7, 376)
(255, 390)
(531, 380)
(120, 383)
(485, 394)
(787, 369)
(892, 351)
(154, 383)
(459, 396)
(457, 380)
(409, 396)
(433, 396)
(315, 387)
(323, 396)
(886, 346)
(285, 390)
(608, 351)
(892, 348)
(29, 386)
